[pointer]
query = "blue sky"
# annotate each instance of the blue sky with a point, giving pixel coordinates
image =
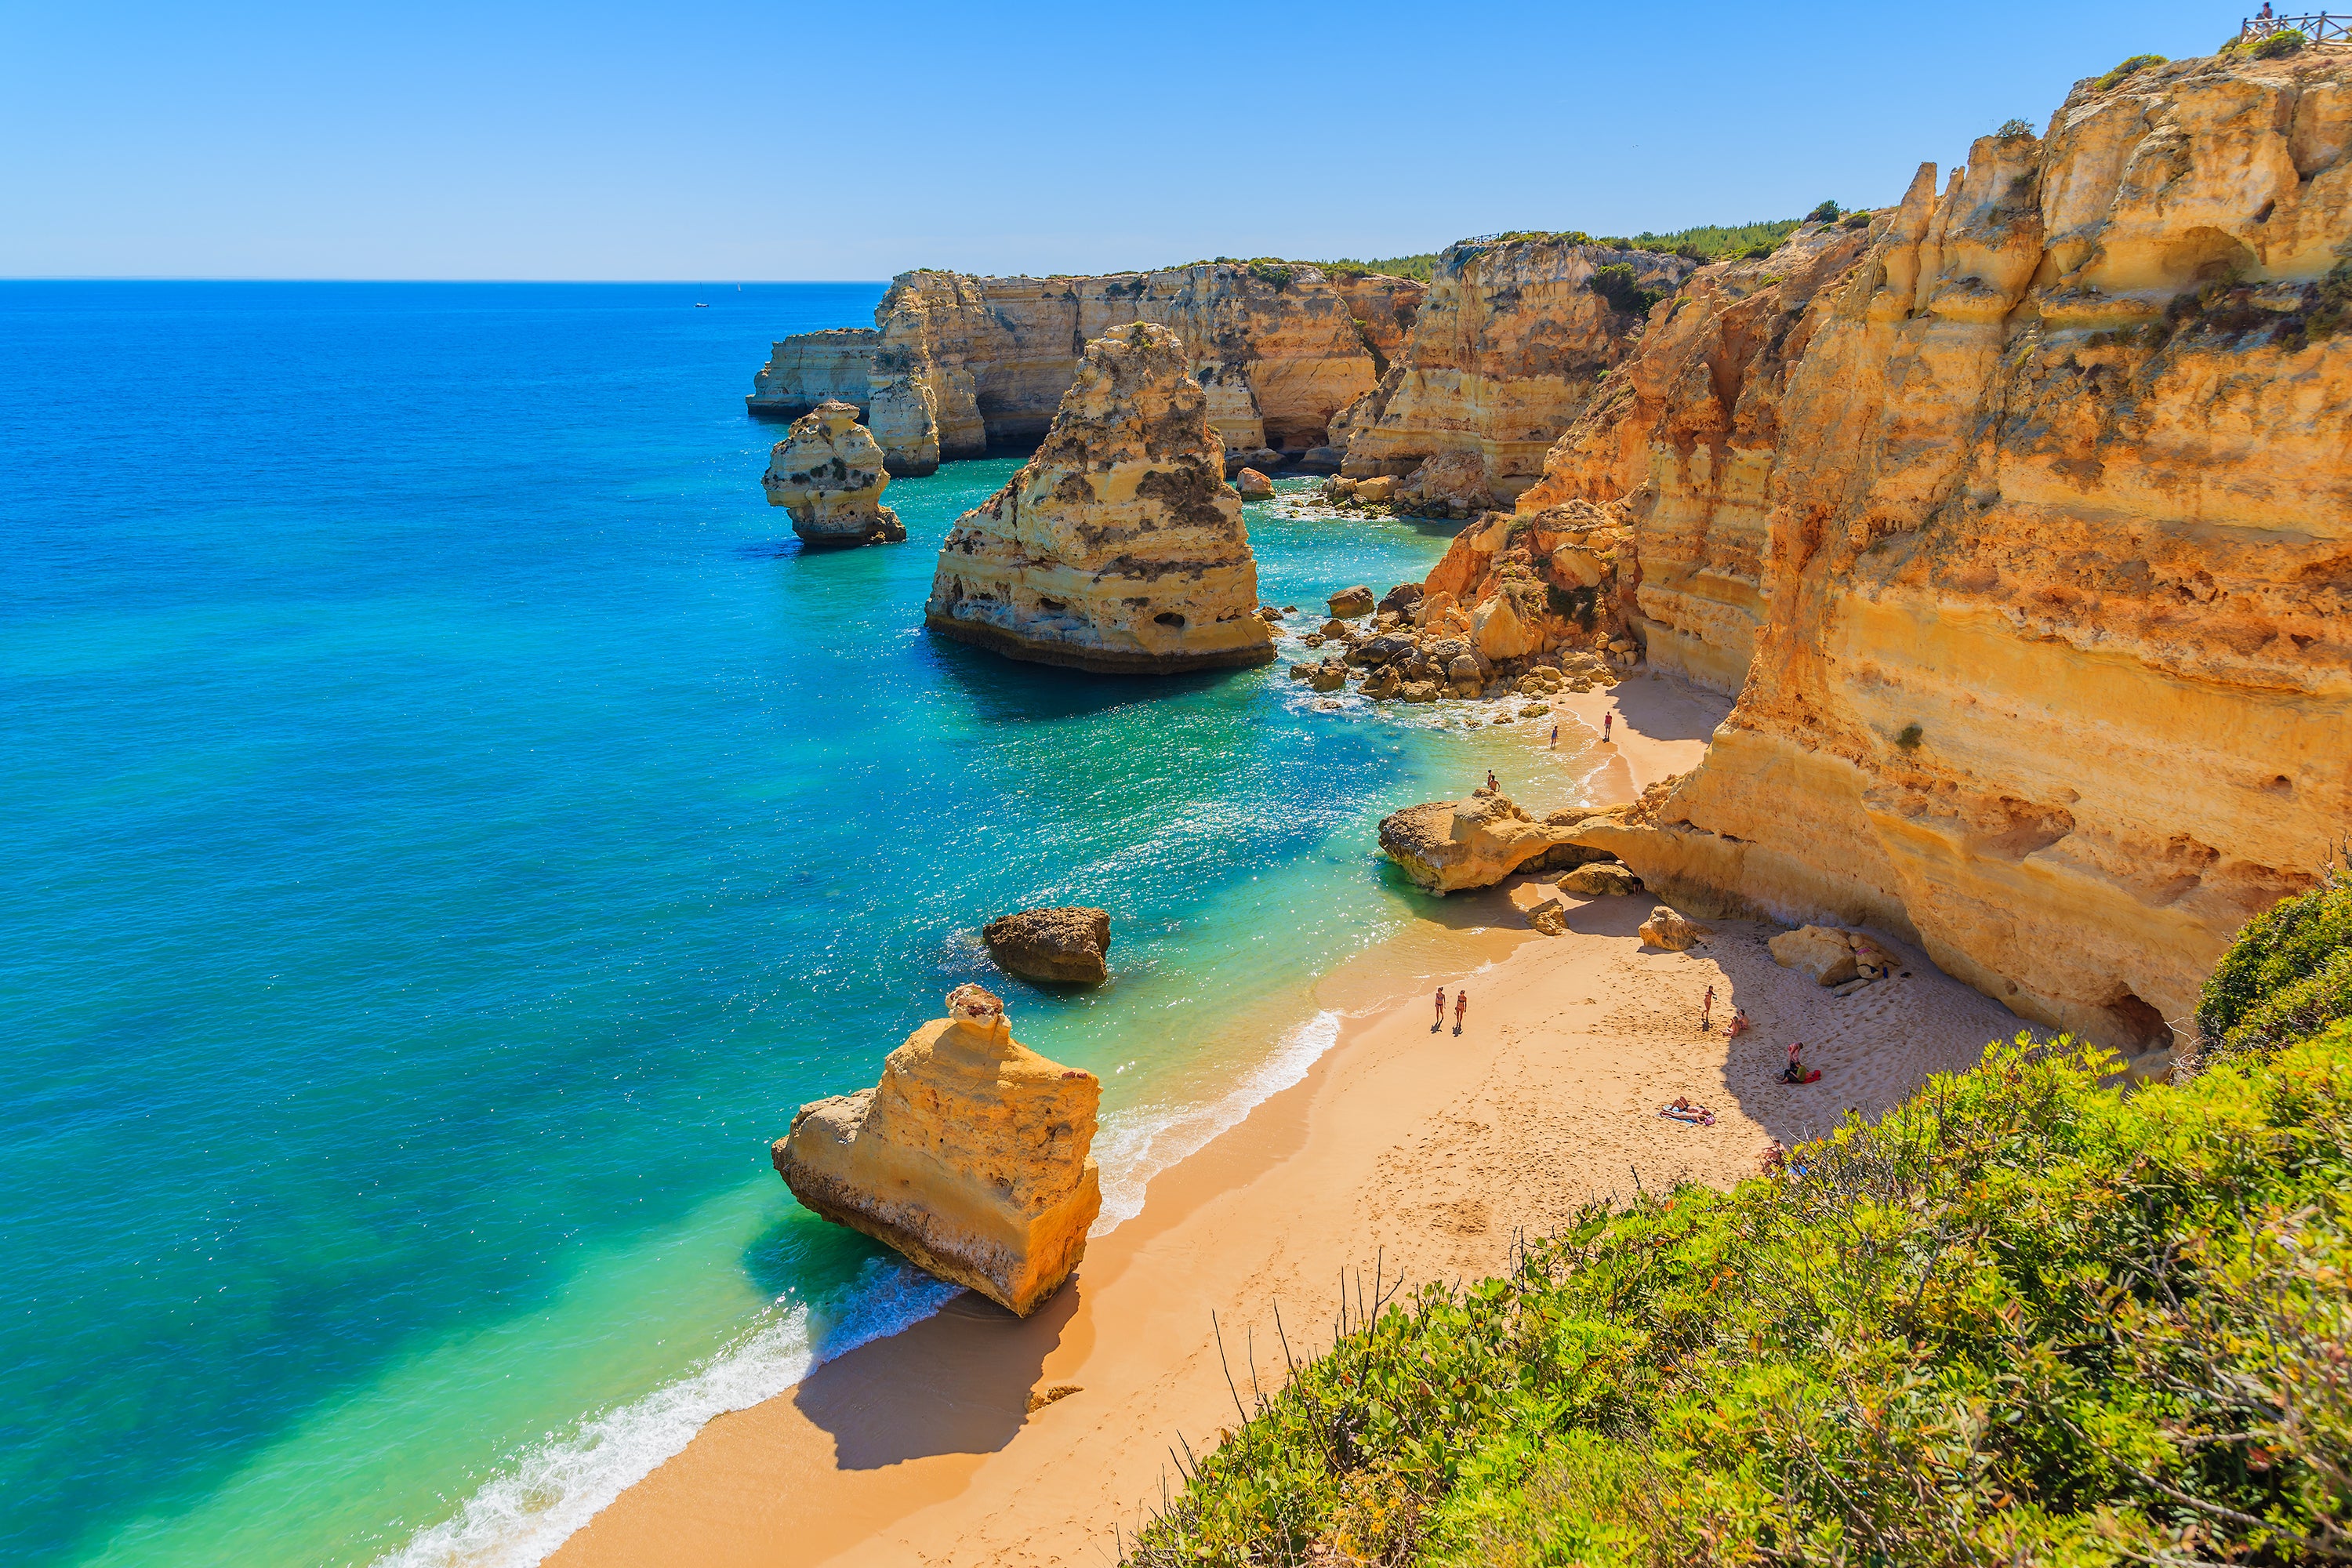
(844, 140)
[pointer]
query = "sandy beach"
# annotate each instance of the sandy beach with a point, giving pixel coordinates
(1414, 1150)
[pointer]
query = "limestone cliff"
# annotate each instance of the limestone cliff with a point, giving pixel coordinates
(1118, 548)
(958, 363)
(828, 474)
(972, 1157)
(1504, 353)
(810, 368)
(2025, 535)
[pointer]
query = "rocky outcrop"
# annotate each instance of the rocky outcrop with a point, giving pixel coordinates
(1250, 485)
(1447, 846)
(1673, 931)
(970, 1157)
(802, 370)
(1119, 547)
(1065, 946)
(1602, 880)
(1505, 354)
(2036, 514)
(1822, 953)
(957, 363)
(828, 474)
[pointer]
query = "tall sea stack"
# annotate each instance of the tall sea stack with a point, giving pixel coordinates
(1119, 547)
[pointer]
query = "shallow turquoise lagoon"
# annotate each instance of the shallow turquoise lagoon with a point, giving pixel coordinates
(450, 824)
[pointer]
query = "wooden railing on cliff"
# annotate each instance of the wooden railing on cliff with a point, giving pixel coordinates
(2317, 28)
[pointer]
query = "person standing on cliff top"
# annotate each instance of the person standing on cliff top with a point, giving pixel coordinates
(1441, 1011)
(1461, 1006)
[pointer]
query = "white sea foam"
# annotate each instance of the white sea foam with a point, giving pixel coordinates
(1138, 1146)
(533, 1506)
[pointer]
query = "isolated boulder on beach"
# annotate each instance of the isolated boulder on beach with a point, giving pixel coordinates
(1063, 946)
(971, 1157)
(1673, 931)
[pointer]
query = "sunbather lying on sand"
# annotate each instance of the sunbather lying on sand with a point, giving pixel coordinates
(1681, 1109)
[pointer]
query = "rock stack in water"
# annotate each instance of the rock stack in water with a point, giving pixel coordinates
(970, 1157)
(827, 472)
(1118, 548)
(1068, 946)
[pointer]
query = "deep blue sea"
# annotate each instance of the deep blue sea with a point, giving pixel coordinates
(448, 825)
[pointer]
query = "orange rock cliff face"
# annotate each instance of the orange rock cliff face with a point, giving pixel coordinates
(956, 364)
(1504, 353)
(2020, 522)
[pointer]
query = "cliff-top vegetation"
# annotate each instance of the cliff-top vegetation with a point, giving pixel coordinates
(1703, 242)
(2028, 1316)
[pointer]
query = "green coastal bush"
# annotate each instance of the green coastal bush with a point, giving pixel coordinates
(1617, 284)
(2127, 67)
(2026, 1317)
(2278, 967)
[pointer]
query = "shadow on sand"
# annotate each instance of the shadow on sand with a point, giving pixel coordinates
(955, 1383)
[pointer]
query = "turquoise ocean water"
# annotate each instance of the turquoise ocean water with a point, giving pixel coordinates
(448, 825)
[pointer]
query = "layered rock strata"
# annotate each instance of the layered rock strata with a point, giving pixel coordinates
(810, 368)
(1505, 354)
(1066, 946)
(957, 363)
(2024, 533)
(1118, 548)
(828, 474)
(971, 1157)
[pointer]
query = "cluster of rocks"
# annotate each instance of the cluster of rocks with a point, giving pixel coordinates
(1450, 846)
(1420, 647)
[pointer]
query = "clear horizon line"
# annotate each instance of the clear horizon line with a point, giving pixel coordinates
(260, 278)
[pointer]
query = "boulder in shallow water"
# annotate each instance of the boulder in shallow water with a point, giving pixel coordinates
(1254, 486)
(1350, 603)
(1065, 945)
(971, 1157)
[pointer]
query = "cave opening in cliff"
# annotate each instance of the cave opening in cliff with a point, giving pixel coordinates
(1170, 619)
(2142, 1023)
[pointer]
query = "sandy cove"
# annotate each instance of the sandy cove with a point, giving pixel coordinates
(1419, 1148)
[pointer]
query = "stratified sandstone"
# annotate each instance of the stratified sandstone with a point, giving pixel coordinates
(2037, 517)
(832, 366)
(1066, 945)
(970, 1157)
(828, 474)
(958, 363)
(1119, 547)
(1506, 351)
(1447, 846)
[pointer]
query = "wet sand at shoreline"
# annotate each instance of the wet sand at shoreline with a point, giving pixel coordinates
(1419, 1148)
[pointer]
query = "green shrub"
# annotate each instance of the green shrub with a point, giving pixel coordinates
(2012, 128)
(1828, 212)
(2279, 45)
(2025, 1317)
(2277, 951)
(1756, 253)
(1616, 283)
(2127, 67)
(2300, 1010)
(1909, 737)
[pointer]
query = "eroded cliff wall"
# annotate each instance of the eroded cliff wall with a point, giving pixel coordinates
(958, 363)
(1504, 353)
(2025, 534)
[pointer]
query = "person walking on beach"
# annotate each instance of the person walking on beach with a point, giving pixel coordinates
(1441, 1011)
(1461, 1006)
(1555, 736)
(1705, 1011)
(1606, 720)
